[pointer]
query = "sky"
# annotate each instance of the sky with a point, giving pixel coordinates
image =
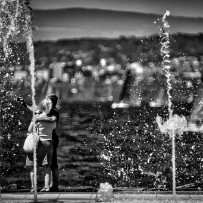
(188, 8)
(118, 17)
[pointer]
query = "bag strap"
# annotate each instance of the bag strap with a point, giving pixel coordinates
(37, 129)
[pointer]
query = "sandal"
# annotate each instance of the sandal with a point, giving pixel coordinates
(45, 190)
(32, 190)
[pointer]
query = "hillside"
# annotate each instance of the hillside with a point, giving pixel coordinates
(80, 22)
(132, 47)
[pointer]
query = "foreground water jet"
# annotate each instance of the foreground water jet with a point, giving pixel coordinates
(30, 48)
(105, 193)
(175, 124)
(16, 25)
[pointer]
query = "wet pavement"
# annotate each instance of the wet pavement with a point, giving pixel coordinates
(48, 197)
(64, 197)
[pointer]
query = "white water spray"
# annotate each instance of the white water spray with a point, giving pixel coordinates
(175, 124)
(30, 48)
(11, 28)
(165, 45)
(15, 17)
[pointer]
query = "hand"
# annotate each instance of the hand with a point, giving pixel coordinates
(37, 125)
(22, 102)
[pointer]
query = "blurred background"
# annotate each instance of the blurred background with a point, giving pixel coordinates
(84, 49)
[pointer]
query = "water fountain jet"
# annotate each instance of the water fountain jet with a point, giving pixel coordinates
(15, 21)
(175, 124)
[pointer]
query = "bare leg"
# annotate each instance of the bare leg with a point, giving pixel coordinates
(32, 181)
(51, 180)
(47, 176)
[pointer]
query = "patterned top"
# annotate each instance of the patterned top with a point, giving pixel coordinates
(44, 128)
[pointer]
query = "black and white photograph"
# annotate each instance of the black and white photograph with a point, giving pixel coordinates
(101, 101)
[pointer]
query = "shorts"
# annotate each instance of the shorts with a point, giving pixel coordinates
(44, 154)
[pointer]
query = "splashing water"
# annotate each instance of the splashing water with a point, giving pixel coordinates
(105, 193)
(30, 49)
(15, 22)
(8, 24)
(175, 124)
(165, 42)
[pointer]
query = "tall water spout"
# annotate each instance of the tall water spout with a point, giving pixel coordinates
(165, 52)
(175, 124)
(166, 62)
(30, 48)
(15, 21)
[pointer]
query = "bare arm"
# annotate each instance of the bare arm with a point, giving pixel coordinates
(22, 102)
(46, 118)
(30, 128)
(30, 108)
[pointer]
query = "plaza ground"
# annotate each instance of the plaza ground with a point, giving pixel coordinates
(89, 197)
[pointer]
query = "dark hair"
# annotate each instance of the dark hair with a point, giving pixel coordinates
(53, 98)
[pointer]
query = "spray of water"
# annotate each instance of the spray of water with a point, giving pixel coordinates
(9, 27)
(175, 124)
(165, 52)
(16, 19)
(30, 48)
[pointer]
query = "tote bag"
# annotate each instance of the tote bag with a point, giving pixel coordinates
(29, 143)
